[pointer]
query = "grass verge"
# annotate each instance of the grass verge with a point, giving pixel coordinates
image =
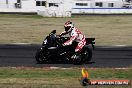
(58, 78)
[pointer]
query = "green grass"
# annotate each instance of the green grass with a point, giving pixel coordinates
(58, 78)
(106, 73)
(108, 30)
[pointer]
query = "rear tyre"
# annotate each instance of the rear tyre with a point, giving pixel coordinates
(86, 55)
(41, 56)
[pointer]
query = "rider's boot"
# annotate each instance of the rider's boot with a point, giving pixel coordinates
(75, 56)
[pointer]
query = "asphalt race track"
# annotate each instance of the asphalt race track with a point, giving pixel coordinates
(23, 55)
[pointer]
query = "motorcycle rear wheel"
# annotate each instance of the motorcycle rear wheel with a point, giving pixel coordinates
(86, 55)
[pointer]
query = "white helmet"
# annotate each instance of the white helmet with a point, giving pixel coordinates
(68, 26)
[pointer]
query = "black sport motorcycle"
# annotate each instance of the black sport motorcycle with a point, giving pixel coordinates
(53, 51)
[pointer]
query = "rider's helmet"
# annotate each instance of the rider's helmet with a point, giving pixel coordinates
(68, 26)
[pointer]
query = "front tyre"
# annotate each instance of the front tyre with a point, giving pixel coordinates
(41, 56)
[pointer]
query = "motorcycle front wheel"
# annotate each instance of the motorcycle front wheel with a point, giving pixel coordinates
(41, 56)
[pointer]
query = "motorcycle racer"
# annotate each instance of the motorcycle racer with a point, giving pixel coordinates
(75, 35)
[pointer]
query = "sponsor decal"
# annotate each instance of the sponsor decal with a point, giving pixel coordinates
(85, 81)
(110, 82)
